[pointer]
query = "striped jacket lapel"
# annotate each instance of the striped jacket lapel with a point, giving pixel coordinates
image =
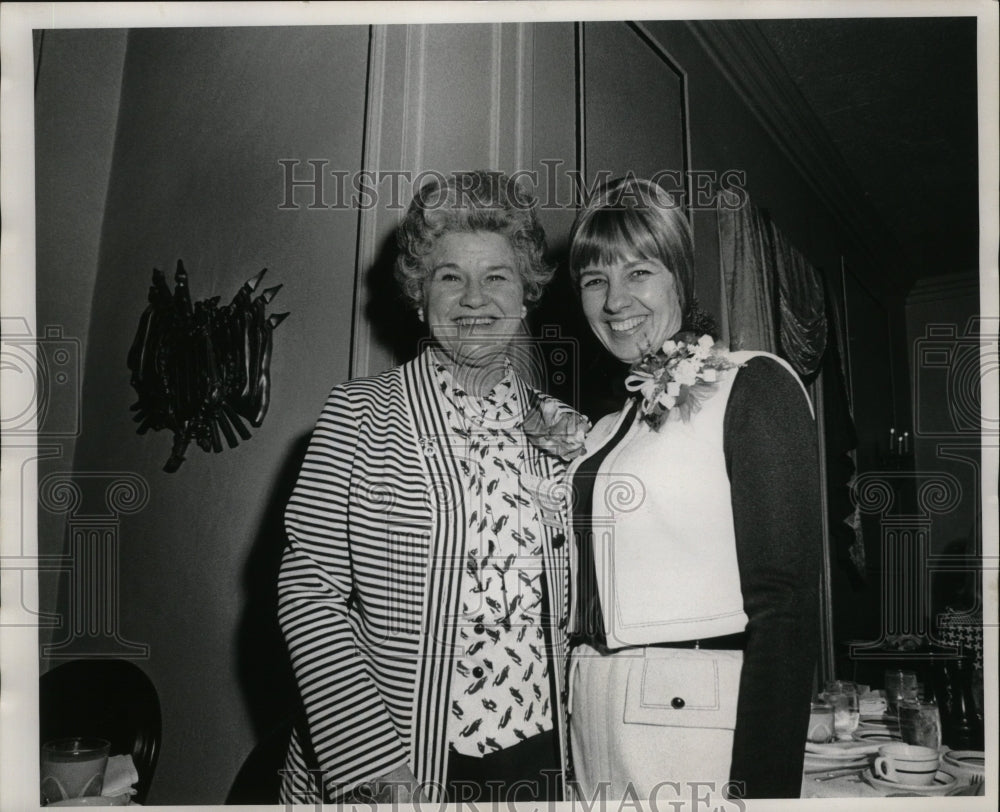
(444, 570)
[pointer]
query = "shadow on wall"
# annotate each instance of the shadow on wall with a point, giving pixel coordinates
(394, 322)
(265, 673)
(595, 385)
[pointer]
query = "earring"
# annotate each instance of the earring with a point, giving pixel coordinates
(524, 311)
(420, 313)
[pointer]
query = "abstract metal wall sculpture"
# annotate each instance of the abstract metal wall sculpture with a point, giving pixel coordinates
(200, 370)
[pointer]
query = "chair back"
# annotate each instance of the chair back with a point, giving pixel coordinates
(111, 699)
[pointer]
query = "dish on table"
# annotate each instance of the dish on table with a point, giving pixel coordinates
(943, 783)
(968, 766)
(814, 763)
(878, 720)
(871, 704)
(880, 735)
(970, 759)
(841, 749)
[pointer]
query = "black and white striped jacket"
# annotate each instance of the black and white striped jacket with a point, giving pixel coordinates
(370, 579)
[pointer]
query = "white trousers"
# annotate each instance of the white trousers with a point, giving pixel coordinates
(652, 723)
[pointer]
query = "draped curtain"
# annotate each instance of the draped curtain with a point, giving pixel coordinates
(775, 298)
(775, 301)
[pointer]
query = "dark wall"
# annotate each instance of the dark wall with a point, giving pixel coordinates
(76, 114)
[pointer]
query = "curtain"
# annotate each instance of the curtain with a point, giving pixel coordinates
(747, 279)
(775, 297)
(801, 306)
(775, 300)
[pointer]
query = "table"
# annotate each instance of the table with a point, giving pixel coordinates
(854, 786)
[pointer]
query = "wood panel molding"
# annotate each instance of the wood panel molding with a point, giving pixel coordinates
(665, 56)
(648, 39)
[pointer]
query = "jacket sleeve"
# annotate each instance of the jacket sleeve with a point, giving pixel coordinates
(349, 727)
(771, 456)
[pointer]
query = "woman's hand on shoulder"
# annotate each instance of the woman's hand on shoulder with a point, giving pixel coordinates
(554, 427)
(399, 786)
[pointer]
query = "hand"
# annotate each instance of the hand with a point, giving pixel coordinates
(399, 786)
(556, 428)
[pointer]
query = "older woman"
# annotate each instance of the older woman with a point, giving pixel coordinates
(420, 591)
(697, 528)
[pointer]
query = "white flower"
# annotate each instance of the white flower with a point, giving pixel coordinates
(681, 367)
(686, 372)
(667, 401)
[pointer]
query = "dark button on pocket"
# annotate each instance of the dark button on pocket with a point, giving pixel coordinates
(479, 628)
(477, 672)
(677, 702)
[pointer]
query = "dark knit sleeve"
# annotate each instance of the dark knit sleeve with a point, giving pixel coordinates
(771, 457)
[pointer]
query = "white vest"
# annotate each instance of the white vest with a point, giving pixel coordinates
(664, 544)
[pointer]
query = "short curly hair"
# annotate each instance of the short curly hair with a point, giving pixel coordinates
(467, 202)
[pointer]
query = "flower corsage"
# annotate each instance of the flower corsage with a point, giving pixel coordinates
(554, 427)
(676, 378)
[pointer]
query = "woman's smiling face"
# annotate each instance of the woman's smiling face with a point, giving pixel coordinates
(631, 304)
(473, 296)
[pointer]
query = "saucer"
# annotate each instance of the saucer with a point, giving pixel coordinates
(969, 759)
(815, 763)
(880, 735)
(878, 720)
(842, 749)
(967, 766)
(943, 783)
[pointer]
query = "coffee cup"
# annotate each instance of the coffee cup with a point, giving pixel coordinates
(907, 764)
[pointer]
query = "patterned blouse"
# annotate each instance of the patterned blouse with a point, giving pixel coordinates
(500, 691)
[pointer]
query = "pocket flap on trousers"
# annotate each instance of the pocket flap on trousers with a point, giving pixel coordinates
(684, 688)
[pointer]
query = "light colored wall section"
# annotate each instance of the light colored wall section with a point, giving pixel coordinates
(206, 116)
(442, 98)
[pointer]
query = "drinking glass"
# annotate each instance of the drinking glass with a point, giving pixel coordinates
(899, 685)
(920, 722)
(820, 722)
(73, 767)
(842, 696)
